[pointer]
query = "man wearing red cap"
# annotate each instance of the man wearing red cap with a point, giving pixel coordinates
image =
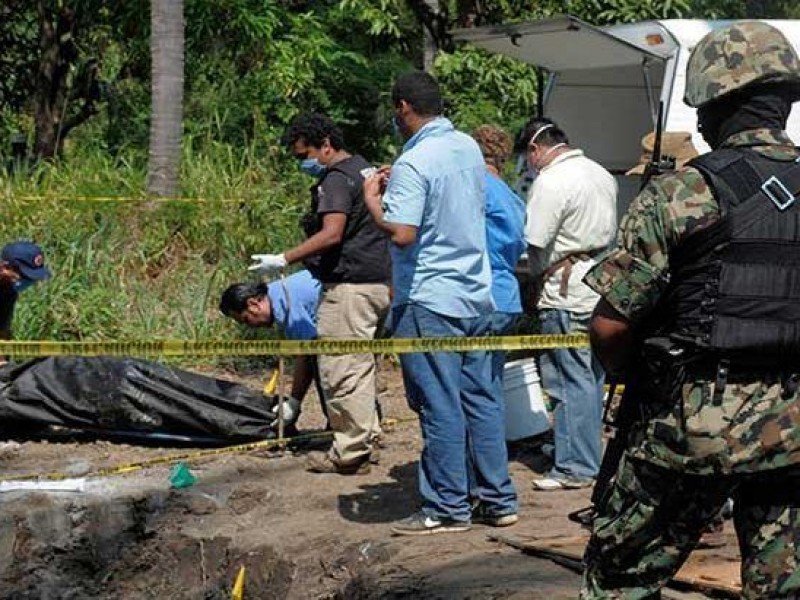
(21, 265)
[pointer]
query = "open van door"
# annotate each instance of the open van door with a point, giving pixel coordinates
(606, 82)
(561, 44)
(603, 89)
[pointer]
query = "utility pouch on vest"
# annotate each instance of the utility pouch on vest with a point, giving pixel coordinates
(665, 365)
(311, 223)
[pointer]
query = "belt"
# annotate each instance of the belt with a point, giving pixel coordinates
(565, 264)
(333, 284)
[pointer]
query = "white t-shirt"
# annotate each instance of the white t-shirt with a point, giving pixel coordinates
(572, 207)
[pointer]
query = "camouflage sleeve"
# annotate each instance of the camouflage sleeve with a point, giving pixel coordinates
(632, 277)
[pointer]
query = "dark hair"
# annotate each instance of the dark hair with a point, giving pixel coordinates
(234, 299)
(312, 129)
(547, 137)
(421, 91)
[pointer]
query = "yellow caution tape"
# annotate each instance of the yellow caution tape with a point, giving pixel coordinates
(387, 423)
(109, 198)
(164, 460)
(289, 347)
(237, 593)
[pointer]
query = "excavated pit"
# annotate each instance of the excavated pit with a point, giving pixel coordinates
(60, 546)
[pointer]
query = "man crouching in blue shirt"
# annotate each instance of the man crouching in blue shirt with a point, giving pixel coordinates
(291, 304)
(431, 204)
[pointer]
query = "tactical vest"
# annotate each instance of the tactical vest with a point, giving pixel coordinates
(363, 255)
(311, 221)
(734, 290)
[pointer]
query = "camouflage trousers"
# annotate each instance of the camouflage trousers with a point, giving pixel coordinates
(652, 518)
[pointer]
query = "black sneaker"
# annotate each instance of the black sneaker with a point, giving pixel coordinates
(481, 514)
(422, 524)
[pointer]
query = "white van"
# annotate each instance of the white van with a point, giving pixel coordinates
(605, 83)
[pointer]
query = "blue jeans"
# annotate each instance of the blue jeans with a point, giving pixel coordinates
(573, 379)
(455, 397)
(500, 323)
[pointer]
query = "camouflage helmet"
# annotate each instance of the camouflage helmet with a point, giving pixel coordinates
(742, 54)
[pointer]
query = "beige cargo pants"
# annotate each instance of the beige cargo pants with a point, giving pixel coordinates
(351, 310)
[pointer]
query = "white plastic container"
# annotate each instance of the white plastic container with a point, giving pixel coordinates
(526, 414)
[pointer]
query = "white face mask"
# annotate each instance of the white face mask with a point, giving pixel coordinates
(545, 155)
(556, 147)
(533, 139)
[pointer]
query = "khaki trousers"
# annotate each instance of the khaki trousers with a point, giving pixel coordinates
(351, 310)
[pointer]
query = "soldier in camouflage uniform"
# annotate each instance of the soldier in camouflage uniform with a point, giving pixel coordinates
(730, 426)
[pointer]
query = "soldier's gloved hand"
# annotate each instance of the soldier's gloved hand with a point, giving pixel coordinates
(264, 264)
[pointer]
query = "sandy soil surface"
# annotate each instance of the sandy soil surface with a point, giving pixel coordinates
(300, 535)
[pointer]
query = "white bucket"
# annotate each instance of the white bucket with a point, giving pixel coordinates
(526, 414)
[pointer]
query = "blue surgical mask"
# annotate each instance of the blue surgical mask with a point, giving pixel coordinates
(22, 285)
(311, 166)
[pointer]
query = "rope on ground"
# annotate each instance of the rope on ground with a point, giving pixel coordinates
(171, 458)
(193, 455)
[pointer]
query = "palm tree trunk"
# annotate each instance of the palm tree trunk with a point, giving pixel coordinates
(166, 47)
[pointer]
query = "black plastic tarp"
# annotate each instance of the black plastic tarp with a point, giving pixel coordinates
(131, 395)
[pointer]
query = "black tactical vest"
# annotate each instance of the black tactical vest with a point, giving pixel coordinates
(363, 255)
(734, 288)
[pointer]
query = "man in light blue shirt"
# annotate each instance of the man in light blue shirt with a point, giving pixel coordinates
(431, 189)
(431, 204)
(292, 304)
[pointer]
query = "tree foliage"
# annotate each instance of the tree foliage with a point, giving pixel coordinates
(52, 63)
(124, 272)
(251, 65)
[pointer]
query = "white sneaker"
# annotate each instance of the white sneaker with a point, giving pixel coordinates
(549, 484)
(422, 524)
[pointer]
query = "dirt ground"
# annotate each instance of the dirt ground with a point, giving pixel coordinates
(299, 535)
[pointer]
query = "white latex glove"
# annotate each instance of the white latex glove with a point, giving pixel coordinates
(264, 264)
(290, 411)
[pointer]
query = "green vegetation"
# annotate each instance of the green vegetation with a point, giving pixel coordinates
(143, 269)
(133, 269)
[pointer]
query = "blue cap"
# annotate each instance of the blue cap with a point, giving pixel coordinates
(27, 258)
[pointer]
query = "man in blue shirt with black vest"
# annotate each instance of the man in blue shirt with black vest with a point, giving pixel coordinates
(431, 203)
